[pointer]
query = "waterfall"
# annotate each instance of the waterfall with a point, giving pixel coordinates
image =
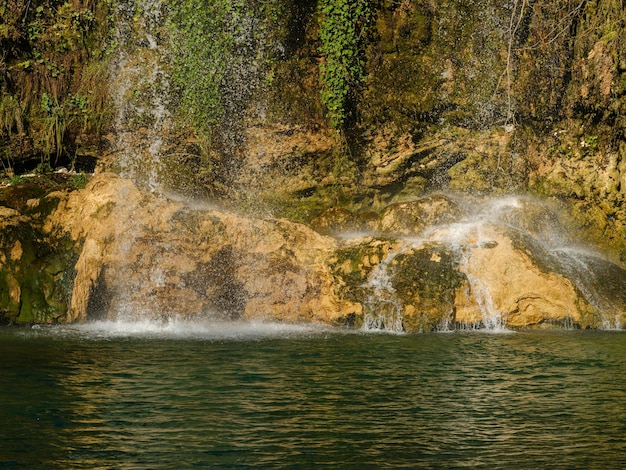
(534, 236)
(598, 279)
(382, 307)
(143, 90)
(491, 316)
(142, 93)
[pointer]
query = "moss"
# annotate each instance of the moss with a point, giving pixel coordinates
(352, 267)
(18, 195)
(9, 290)
(34, 274)
(427, 279)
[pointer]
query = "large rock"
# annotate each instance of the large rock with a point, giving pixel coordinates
(149, 256)
(497, 268)
(114, 251)
(35, 271)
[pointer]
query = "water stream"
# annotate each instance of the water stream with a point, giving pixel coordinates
(599, 280)
(383, 308)
(142, 93)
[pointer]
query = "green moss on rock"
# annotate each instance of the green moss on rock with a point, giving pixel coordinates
(427, 279)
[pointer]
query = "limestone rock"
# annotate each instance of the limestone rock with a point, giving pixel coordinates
(410, 218)
(149, 256)
(433, 263)
(509, 283)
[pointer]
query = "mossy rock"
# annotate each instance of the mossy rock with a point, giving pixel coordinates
(35, 273)
(426, 280)
(17, 196)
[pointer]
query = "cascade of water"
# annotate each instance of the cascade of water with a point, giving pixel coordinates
(597, 279)
(461, 237)
(531, 253)
(383, 308)
(491, 315)
(141, 91)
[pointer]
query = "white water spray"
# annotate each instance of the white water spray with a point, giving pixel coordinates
(141, 90)
(472, 238)
(383, 308)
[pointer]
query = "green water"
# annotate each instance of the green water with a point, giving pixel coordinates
(266, 396)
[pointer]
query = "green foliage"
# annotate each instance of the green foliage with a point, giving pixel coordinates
(218, 54)
(344, 30)
(78, 181)
(43, 168)
(50, 89)
(200, 44)
(589, 144)
(54, 125)
(11, 114)
(15, 179)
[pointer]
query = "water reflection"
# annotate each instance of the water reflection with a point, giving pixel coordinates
(335, 399)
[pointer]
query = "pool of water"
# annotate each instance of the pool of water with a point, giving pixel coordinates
(176, 395)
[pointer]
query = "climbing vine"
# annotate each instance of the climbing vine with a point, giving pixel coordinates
(344, 30)
(200, 45)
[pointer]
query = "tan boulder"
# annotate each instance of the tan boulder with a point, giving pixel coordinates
(150, 256)
(518, 290)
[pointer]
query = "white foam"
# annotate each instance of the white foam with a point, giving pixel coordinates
(182, 329)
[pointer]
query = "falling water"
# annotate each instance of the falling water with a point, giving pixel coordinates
(382, 307)
(597, 279)
(141, 92)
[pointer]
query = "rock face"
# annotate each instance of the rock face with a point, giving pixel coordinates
(34, 280)
(114, 251)
(144, 256)
(457, 96)
(499, 266)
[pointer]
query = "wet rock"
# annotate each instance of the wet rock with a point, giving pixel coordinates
(510, 285)
(342, 222)
(157, 257)
(35, 271)
(427, 279)
(112, 251)
(410, 218)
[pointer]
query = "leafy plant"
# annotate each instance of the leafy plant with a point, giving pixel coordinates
(51, 51)
(11, 114)
(78, 181)
(43, 168)
(15, 179)
(345, 27)
(589, 144)
(218, 48)
(54, 125)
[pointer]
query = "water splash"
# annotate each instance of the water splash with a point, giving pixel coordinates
(599, 280)
(491, 315)
(176, 329)
(520, 219)
(382, 307)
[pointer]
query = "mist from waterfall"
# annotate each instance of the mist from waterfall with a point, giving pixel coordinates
(142, 93)
(537, 223)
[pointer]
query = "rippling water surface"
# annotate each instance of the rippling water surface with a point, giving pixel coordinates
(137, 396)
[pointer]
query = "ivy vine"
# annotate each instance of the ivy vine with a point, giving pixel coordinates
(344, 30)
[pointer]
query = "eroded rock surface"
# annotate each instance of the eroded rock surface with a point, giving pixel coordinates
(114, 251)
(149, 256)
